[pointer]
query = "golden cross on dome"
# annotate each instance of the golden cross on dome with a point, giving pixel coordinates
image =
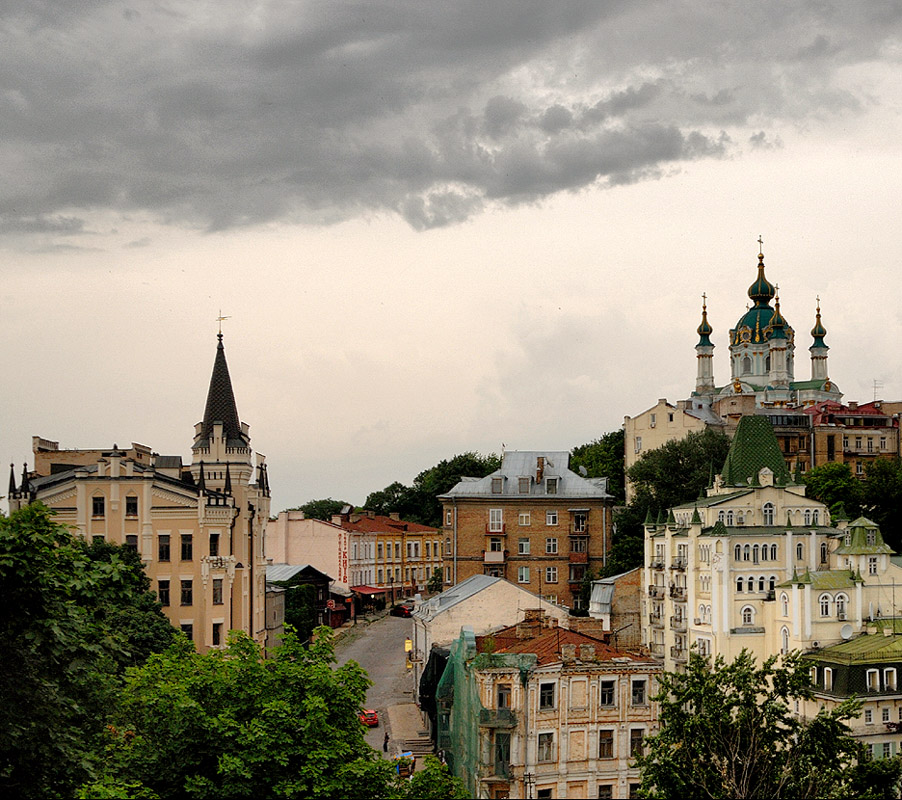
(760, 245)
(704, 300)
(220, 319)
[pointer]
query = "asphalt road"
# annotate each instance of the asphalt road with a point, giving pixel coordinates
(379, 648)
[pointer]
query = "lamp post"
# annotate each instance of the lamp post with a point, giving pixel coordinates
(391, 583)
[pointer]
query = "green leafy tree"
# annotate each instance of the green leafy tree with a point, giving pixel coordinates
(882, 498)
(729, 732)
(419, 502)
(602, 458)
(320, 509)
(229, 724)
(72, 617)
(836, 487)
(437, 581)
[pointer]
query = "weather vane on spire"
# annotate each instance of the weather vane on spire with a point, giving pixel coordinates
(220, 319)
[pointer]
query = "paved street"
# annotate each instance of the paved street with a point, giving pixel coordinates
(379, 648)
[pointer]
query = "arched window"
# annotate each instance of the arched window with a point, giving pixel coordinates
(847, 539)
(773, 552)
(768, 513)
(764, 552)
(729, 518)
(823, 552)
(761, 584)
(772, 583)
(807, 516)
(748, 615)
(746, 366)
(767, 363)
(824, 601)
(800, 551)
(784, 604)
(740, 519)
(737, 552)
(746, 553)
(784, 641)
(707, 613)
(841, 601)
(755, 553)
(815, 517)
(739, 584)
(701, 612)
(721, 516)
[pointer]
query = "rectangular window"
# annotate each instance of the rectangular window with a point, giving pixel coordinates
(883, 443)
(551, 545)
(523, 519)
(504, 695)
(551, 485)
(579, 544)
(605, 792)
(98, 538)
(551, 517)
(502, 751)
(885, 714)
(449, 518)
(217, 634)
(636, 737)
(97, 507)
(496, 520)
(131, 542)
(214, 544)
(523, 546)
(546, 747)
(873, 680)
(163, 548)
(217, 591)
(522, 574)
(828, 679)
(605, 744)
(868, 716)
(131, 506)
(163, 592)
(872, 565)
(546, 695)
(188, 630)
(497, 484)
(428, 549)
(577, 572)
(523, 485)
(187, 593)
(495, 544)
(397, 551)
(606, 694)
(889, 679)
(550, 574)
(187, 547)
(638, 693)
(638, 444)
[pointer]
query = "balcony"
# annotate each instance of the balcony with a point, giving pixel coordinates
(497, 718)
(679, 653)
(655, 591)
(656, 564)
(494, 556)
(583, 531)
(679, 563)
(656, 620)
(657, 649)
(579, 558)
(495, 530)
(678, 592)
(678, 623)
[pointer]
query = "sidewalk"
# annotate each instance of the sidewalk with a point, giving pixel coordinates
(406, 732)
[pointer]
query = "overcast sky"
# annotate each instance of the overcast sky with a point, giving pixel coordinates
(436, 226)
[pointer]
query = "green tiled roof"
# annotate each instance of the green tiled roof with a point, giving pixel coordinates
(807, 384)
(864, 649)
(828, 579)
(858, 533)
(705, 502)
(754, 447)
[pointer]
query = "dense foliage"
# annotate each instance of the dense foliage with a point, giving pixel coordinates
(419, 502)
(72, 618)
(230, 724)
(320, 509)
(729, 732)
(602, 458)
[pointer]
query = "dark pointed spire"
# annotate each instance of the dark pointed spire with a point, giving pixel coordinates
(23, 489)
(12, 481)
(228, 481)
(221, 406)
(704, 330)
(762, 290)
(818, 332)
(201, 483)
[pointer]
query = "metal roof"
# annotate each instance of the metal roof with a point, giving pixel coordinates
(285, 572)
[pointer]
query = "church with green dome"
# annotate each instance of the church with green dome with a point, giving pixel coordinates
(762, 355)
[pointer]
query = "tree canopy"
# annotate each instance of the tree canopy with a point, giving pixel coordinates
(418, 502)
(231, 724)
(836, 487)
(72, 618)
(602, 458)
(320, 509)
(727, 731)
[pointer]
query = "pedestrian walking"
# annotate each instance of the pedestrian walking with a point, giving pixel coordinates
(385, 743)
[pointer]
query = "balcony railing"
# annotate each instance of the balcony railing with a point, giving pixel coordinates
(657, 648)
(494, 556)
(678, 592)
(678, 563)
(497, 718)
(678, 623)
(679, 653)
(656, 564)
(495, 530)
(656, 591)
(579, 558)
(656, 620)
(583, 531)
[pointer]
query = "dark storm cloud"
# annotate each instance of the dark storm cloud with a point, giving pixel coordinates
(233, 113)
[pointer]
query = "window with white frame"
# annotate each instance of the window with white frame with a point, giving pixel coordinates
(807, 516)
(522, 574)
(824, 601)
(523, 519)
(872, 565)
(889, 679)
(551, 485)
(768, 511)
(496, 520)
(546, 747)
(740, 583)
(551, 544)
(523, 485)
(868, 716)
(523, 546)
(551, 517)
(746, 553)
(828, 679)
(885, 714)
(748, 615)
(773, 552)
(449, 518)
(800, 551)
(550, 574)
(784, 641)
(841, 602)
(873, 680)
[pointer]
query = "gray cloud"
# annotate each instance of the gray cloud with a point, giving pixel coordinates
(319, 111)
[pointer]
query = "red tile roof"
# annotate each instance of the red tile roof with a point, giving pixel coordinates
(547, 645)
(383, 524)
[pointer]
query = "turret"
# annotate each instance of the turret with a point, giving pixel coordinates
(704, 382)
(818, 349)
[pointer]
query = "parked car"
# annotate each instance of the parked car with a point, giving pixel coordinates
(401, 610)
(369, 717)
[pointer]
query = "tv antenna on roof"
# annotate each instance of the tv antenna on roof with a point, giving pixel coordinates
(878, 385)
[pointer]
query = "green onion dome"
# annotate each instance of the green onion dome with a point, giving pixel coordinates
(762, 290)
(818, 331)
(704, 330)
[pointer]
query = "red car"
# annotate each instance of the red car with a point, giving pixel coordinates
(369, 718)
(402, 610)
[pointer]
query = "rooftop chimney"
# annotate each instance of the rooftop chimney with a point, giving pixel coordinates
(540, 468)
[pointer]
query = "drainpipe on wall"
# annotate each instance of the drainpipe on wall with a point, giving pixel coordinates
(454, 500)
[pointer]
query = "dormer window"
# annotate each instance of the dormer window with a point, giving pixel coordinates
(497, 484)
(551, 485)
(872, 537)
(523, 485)
(847, 539)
